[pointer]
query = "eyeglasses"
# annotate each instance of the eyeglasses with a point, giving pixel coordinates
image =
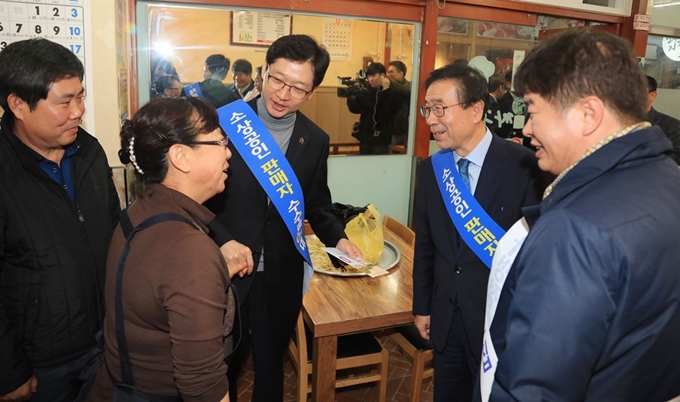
(223, 142)
(276, 84)
(438, 110)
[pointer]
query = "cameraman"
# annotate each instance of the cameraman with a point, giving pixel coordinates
(377, 105)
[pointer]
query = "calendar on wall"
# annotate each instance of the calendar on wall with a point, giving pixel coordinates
(337, 37)
(60, 21)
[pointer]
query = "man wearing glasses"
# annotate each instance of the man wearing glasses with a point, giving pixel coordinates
(271, 297)
(451, 254)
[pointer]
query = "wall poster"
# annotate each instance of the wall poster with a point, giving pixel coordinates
(253, 28)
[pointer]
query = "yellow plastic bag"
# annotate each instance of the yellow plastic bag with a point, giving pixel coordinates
(366, 232)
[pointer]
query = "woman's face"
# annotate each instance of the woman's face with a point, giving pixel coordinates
(210, 166)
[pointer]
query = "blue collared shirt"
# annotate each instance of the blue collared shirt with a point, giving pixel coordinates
(61, 173)
(476, 158)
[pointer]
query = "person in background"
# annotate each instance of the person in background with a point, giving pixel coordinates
(211, 88)
(58, 209)
(243, 84)
(376, 106)
(590, 309)
(396, 72)
(668, 124)
(168, 86)
(449, 275)
(159, 68)
(258, 85)
(271, 297)
(494, 117)
(178, 310)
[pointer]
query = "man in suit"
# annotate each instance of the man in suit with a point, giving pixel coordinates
(669, 125)
(271, 298)
(494, 117)
(449, 279)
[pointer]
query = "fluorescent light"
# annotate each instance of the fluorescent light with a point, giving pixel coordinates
(674, 3)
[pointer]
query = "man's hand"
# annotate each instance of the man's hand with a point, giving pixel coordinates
(385, 83)
(23, 393)
(239, 258)
(349, 248)
(423, 325)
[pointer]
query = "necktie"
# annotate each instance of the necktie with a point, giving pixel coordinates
(463, 170)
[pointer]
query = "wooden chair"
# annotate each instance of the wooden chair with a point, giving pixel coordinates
(401, 230)
(354, 351)
(408, 337)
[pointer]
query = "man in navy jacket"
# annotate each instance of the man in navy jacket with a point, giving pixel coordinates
(590, 310)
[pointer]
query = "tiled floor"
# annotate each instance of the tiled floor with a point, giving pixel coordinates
(398, 384)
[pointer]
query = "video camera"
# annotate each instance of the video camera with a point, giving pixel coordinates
(355, 86)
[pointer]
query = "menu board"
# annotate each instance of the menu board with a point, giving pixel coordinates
(258, 28)
(60, 21)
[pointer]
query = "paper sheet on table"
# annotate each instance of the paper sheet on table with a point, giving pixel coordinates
(358, 263)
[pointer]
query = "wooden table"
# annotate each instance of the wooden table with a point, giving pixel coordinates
(337, 306)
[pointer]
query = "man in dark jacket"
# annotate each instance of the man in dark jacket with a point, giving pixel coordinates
(396, 72)
(377, 106)
(590, 309)
(668, 124)
(271, 297)
(58, 209)
(242, 73)
(211, 88)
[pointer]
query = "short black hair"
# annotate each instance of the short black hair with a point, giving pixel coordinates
(301, 48)
(471, 85)
(652, 85)
(495, 82)
(508, 76)
(28, 68)
(376, 68)
(399, 65)
(164, 82)
(218, 65)
(157, 126)
(243, 66)
(577, 63)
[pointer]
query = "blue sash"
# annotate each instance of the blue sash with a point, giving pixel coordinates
(475, 226)
(269, 166)
(194, 90)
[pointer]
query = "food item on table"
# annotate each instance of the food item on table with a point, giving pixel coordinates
(321, 261)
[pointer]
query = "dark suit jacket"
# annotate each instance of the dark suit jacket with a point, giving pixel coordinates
(445, 268)
(243, 211)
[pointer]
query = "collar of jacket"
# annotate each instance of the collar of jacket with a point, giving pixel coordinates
(27, 157)
(636, 147)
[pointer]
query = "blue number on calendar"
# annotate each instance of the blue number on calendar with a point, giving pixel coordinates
(74, 12)
(74, 30)
(75, 48)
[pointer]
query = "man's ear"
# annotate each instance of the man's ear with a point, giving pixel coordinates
(593, 110)
(180, 157)
(478, 111)
(18, 106)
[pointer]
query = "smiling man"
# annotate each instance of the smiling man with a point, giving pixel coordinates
(590, 310)
(271, 297)
(451, 268)
(58, 209)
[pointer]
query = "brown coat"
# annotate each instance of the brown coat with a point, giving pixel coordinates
(178, 311)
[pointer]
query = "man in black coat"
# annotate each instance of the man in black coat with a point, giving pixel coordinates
(377, 106)
(669, 124)
(271, 297)
(449, 279)
(58, 210)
